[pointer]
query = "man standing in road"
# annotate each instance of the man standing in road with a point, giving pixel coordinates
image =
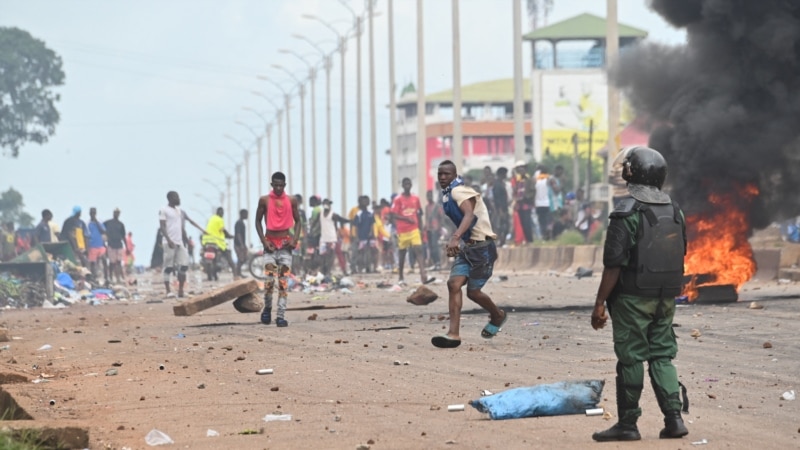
(115, 233)
(278, 213)
(473, 246)
(240, 240)
(406, 215)
(643, 272)
(172, 221)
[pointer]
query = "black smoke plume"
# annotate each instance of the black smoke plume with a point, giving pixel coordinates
(725, 107)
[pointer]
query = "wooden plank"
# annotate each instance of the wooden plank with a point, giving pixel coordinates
(315, 307)
(216, 297)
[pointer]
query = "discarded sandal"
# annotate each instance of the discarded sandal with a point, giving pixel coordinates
(491, 330)
(444, 341)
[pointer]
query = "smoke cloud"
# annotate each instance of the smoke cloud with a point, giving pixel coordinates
(725, 107)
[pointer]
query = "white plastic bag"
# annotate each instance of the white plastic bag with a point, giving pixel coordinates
(155, 437)
(277, 417)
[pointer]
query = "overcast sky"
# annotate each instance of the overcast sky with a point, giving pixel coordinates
(152, 87)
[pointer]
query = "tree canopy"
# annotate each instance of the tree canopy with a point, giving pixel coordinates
(11, 205)
(28, 73)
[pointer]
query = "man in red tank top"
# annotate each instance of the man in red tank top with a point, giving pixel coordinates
(280, 215)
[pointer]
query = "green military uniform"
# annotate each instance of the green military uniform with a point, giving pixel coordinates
(642, 329)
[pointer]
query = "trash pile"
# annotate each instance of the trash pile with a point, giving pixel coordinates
(18, 291)
(24, 287)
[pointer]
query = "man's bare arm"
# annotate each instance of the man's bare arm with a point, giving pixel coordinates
(261, 212)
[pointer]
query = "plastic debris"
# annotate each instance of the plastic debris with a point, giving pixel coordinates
(45, 347)
(454, 408)
(155, 437)
(788, 395)
(277, 418)
(700, 442)
(211, 433)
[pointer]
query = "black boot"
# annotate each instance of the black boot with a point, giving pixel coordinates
(673, 426)
(619, 432)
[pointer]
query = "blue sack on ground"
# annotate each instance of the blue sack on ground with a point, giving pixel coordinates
(65, 280)
(565, 397)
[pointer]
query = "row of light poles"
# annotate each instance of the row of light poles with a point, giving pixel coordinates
(282, 114)
(281, 111)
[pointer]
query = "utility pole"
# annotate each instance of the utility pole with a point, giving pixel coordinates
(359, 146)
(303, 142)
(519, 108)
(457, 145)
(312, 75)
(343, 49)
(373, 140)
(612, 52)
(289, 178)
(392, 99)
(328, 64)
(422, 157)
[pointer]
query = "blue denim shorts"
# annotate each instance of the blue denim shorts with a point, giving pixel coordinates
(475, 262)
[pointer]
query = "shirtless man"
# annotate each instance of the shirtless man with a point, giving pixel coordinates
(279, 213)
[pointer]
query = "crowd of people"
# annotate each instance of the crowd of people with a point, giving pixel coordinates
(104, 247)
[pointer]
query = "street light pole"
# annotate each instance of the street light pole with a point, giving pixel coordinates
(302, 91)
(392, 99)
(328, 64)
(373, 140)
(312, 76)
(228, 183)
(458, 136)
(278, 115)
(519, 109)
(422, 170)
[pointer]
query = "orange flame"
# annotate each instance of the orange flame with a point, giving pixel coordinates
(718, 242)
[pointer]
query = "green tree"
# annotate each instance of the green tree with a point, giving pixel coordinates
(11, 209)
(28, 73)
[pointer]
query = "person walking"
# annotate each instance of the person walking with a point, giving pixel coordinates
(278, 213)
(643, 260)
(240, 240)
(329, 223)
(433, 229)
(473, 246)
(115, 234)
(172, 224)
(406, 215)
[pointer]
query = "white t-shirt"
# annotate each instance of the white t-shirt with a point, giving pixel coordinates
(542, 198)
(175, 219)
(327, 228)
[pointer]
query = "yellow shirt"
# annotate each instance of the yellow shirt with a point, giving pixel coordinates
(216, 233)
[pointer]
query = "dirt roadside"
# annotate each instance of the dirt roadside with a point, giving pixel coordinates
(336, 375)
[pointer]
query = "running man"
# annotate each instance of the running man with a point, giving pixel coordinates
(473, 246)
(279, 214)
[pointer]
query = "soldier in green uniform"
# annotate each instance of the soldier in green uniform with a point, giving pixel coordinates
(643, 272)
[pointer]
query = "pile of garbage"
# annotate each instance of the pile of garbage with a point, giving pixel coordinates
(20, 292)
